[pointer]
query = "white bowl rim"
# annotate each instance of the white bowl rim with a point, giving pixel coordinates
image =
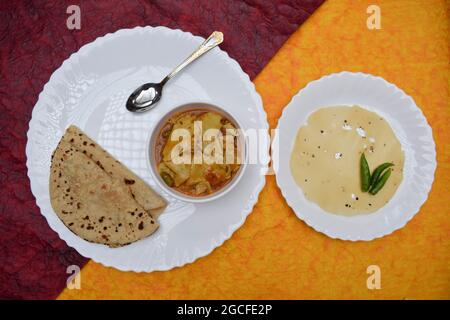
(178, 195)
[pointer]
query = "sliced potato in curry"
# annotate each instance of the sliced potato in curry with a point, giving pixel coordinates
(197, 179)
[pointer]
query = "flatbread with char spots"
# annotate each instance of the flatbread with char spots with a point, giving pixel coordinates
(97, 197)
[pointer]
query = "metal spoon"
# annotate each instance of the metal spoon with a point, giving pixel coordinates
(146, 96)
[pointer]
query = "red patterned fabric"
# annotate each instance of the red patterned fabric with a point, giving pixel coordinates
(34, 41)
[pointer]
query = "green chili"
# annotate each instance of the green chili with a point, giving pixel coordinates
(378, 171)
(365, 173)
(167, 178)
(380, 182)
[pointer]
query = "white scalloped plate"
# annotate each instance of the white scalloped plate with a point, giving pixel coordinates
(408, 123)
(90, 89)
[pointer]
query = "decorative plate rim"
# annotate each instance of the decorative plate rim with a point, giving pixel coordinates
(223, 235)
(409, 215)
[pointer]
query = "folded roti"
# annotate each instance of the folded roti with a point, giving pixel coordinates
(97, 197)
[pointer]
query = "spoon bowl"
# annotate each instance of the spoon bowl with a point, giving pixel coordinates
(144, 97)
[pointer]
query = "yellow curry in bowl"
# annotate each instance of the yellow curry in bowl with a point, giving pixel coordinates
(197, 152)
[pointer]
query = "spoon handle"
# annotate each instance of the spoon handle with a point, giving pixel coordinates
(213, 40)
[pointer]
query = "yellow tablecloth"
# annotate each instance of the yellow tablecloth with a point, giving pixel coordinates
(276, 256)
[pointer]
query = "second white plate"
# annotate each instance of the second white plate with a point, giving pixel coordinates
(408, 123)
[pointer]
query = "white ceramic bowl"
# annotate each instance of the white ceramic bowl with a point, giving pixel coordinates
(153, 165)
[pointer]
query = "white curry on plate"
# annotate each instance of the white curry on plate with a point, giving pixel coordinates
(325, 160)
